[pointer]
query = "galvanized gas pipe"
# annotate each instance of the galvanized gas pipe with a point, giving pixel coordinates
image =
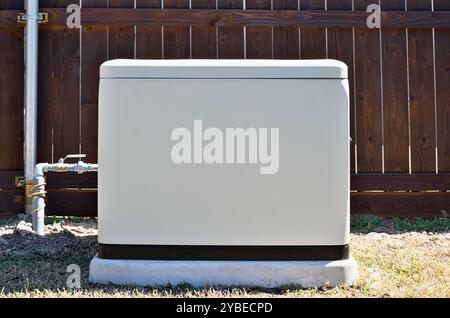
(30, 116)
(34, 173)
(38, 189)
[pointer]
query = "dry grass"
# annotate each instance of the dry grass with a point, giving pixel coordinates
(394, 262)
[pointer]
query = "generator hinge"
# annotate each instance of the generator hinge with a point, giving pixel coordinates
(42, 17)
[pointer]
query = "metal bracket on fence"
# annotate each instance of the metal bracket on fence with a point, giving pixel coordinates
(19, 182)
(41, 18)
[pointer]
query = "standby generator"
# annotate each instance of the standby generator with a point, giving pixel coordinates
(235, 162)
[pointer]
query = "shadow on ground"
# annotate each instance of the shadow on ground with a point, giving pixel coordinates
(31, 262)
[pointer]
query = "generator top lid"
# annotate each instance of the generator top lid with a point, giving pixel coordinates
(324, 69)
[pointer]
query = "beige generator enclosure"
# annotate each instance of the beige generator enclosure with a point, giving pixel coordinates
(209, 169)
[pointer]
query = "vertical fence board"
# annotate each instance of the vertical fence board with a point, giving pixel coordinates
(11, 4)
(395, 94)
(204, 39)
(94, 51)
(421, 80)
(58, 89)
(442, 40)
(368, 97)
(121, 38)
(259, 40)
(230, 39)
(176, 38)
(340, 47)
(149, 37)
(11, 93)
(313, 39)
(286, 39)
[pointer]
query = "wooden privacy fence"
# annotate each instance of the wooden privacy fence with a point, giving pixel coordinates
(399, 80)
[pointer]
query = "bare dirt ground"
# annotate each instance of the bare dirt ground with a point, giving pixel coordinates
(395, 260)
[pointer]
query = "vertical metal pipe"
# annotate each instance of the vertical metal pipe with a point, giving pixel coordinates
(39, 205)
(30, 120)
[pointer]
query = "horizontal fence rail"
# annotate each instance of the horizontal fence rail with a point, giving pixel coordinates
(228, 18)
(398, 74)
(72, 194)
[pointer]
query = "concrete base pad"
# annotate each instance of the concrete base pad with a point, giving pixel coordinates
(267, 274)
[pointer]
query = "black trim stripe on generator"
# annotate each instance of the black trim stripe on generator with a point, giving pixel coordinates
(206, 252)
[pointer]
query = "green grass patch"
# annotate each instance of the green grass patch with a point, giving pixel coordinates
(73, 219)
(5, 220)
(365, 223)
(370, 223)
(421, 224)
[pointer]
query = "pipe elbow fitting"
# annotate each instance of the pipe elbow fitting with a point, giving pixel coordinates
(40, 169)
